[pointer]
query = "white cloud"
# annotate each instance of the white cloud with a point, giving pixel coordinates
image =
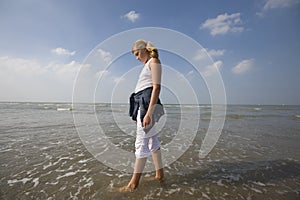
(61, 51)
(27, 67)
(223, 24)
(190, 73)
(276, 4)
(105, 56)
(272, 4)
(11, 66)
(117, 80)
(202, 53)
(243, 67)
(214, 52)
(29, 80)
(64, 70)
(132, 16)
(212, 69)
(102, 73)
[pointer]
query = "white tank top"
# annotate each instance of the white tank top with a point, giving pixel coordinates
(145, 78)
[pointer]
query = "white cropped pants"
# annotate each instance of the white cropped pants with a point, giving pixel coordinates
(145, 143)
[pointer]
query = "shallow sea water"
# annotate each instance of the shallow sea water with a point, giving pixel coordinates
(42, 156)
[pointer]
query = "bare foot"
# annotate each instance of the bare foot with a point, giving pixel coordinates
(128, 188)
(160, 179)
(150, 178)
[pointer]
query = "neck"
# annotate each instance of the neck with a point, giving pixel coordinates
(147, 60)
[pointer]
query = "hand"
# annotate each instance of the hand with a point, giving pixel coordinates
(146, 121)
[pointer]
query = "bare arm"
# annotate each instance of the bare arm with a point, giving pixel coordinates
(155, 67)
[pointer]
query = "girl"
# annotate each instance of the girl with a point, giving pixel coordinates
(146, 109)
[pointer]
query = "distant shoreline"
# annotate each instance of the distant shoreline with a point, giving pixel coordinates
(125, 103)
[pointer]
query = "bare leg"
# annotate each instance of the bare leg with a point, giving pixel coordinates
(159, 170)
(135, 179)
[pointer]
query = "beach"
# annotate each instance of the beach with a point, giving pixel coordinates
(43, 157)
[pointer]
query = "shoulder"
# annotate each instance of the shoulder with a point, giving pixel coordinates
(155, 60)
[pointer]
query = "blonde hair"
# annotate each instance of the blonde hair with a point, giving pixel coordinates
(143, 44)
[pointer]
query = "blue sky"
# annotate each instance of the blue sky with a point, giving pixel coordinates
(254, 44)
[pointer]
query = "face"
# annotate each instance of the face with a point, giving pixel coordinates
(141, 55)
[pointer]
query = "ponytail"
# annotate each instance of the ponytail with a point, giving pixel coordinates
(152, 50)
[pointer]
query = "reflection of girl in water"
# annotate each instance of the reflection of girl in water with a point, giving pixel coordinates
(145, 99)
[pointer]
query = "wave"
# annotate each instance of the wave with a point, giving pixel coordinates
(64, 109)
(235, 116)
(297, 117)
(240, 116)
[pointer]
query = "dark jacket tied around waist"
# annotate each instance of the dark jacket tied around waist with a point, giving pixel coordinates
(141, 100)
